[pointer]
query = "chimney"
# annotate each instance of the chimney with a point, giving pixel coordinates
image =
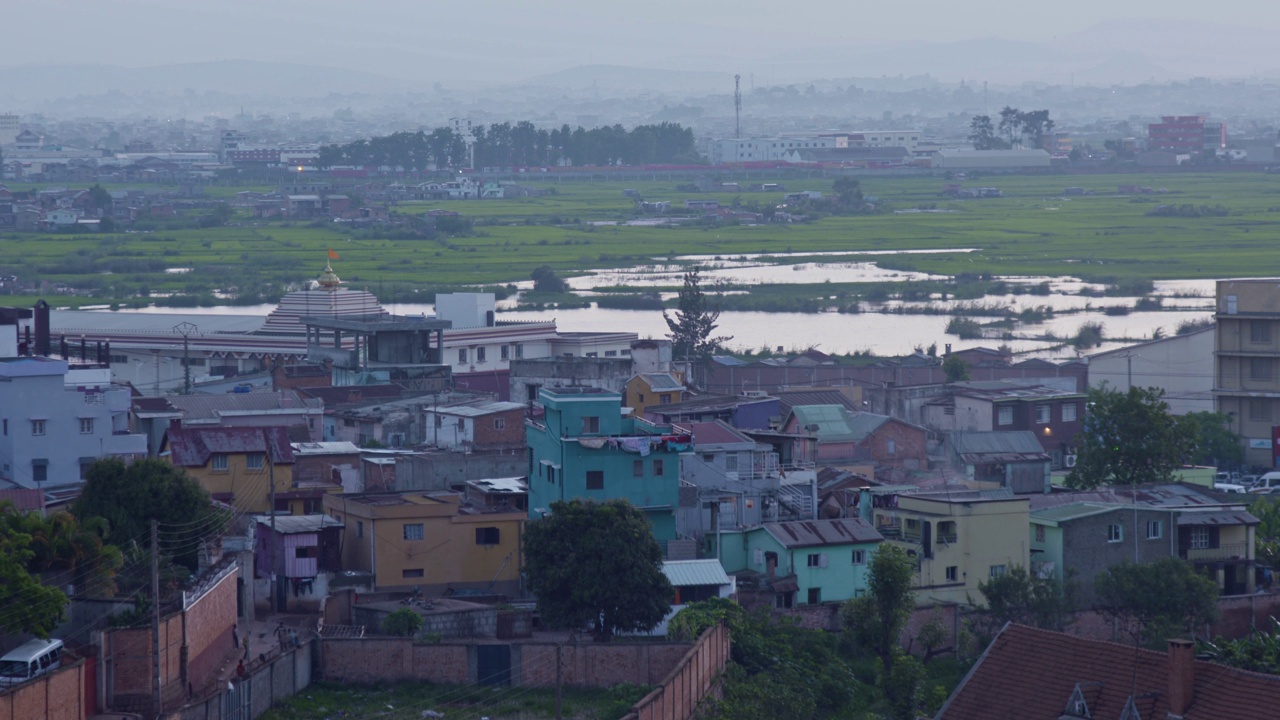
(42, 328)
(1182, 676)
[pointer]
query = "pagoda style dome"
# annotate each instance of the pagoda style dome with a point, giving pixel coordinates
(328, 279)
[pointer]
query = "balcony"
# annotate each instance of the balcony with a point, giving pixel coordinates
(1227, 551)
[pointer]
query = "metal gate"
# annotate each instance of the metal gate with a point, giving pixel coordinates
(237, 702)
(493, 664)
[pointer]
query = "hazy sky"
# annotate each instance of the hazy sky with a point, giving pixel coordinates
(459, 39)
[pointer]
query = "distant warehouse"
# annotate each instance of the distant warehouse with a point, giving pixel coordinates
(990, 159)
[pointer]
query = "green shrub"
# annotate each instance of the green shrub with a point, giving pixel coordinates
(402, 623)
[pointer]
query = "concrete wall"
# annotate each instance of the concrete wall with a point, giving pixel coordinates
(1181, 365)
(480, 622)
(59, 695)
(442, 471)
(266, 685)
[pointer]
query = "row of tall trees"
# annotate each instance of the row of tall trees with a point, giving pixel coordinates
(520, 144)
(1015, 128)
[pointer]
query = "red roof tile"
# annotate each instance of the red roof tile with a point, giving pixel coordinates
(1030, 674)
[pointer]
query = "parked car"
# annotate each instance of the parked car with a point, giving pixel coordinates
(1230, 487)
(1267, 483)
(1249, 480)
(26, 661)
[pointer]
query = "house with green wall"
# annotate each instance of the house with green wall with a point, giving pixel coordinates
(582, 446)
(804, 562)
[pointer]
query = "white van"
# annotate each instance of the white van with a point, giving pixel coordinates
(1268, 483)
(28, 660)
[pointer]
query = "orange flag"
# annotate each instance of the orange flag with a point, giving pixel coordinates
(333, 255)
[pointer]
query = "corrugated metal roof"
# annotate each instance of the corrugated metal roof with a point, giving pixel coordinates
(502, 485)
(479, 408)
(808, 533)
(795, 398)
(1021, 441)
(1074, 511)
(1225, 517)
(863, 424)
(77, 322)
(325, 448)
(192, 446)
(662, 381)
(715, 433)
(683, 573)
(209, 407)
(294, 524)
(830, 423)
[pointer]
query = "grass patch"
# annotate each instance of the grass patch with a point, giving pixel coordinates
(407, 701)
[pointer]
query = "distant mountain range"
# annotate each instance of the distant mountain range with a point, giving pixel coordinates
(1124, 51)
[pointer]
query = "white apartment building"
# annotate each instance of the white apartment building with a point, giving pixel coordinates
(773, 149)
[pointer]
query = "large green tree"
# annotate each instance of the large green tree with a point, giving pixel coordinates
(129, 496)
(26, 605)
(1129, 437)
(876, 620)
(1214, 442)
(598, 565)
(693, 322)
(1152, 601)
(1021, 597)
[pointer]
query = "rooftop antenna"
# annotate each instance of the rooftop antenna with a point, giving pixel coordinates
(737, 107)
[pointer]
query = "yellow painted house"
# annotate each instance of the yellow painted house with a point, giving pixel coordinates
(237, 465)
(430, 540)
(958, 538)
(649, 389)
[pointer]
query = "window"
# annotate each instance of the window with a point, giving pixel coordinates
(504, 352)
(997, 571)
(859, 557)
(306, 552)
(409, 573)
(86, 426)
(891, 446)
(359, 528)
(1039, 533)
(413, 531)
(1004, 416)
(1043, 414)
(658, 468)
(1260, 368)
(947, 531)
(611, 353)
(1232, 304)
(1259, 331)
(731, 462)
(783, 601)
(519, 350)
(1155, 529)
(590, 425)
(664, 398)
(1115, 532)
(462, 355)
(40, 471)
(952, 573)
(1199, 538)
(6, 426)
(815, 596)
(37, 427)
(1069, 412)
(637, 468)
(1259, 409)
(218, 462)
(253, 461)
(487, 536)
(595, 479)
(814, 559)
(480, 354)
(499, 423)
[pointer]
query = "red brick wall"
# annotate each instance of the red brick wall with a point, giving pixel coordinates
(681, 692)
(374, 660)
(56, 696)
(909, 444)
(210, 623)
(511, 434)
(378, 660)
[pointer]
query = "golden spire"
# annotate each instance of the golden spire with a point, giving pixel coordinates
(328, 280)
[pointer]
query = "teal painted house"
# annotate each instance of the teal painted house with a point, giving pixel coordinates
(805, 562)
(583, 447)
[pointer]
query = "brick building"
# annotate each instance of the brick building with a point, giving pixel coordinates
(1186, 133)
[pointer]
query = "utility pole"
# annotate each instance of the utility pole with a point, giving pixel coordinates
(559, 684)
(737, 107)
(155, 613)
(185, 329)
(271, 478)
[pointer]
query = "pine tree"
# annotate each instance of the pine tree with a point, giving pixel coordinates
(693, 323)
